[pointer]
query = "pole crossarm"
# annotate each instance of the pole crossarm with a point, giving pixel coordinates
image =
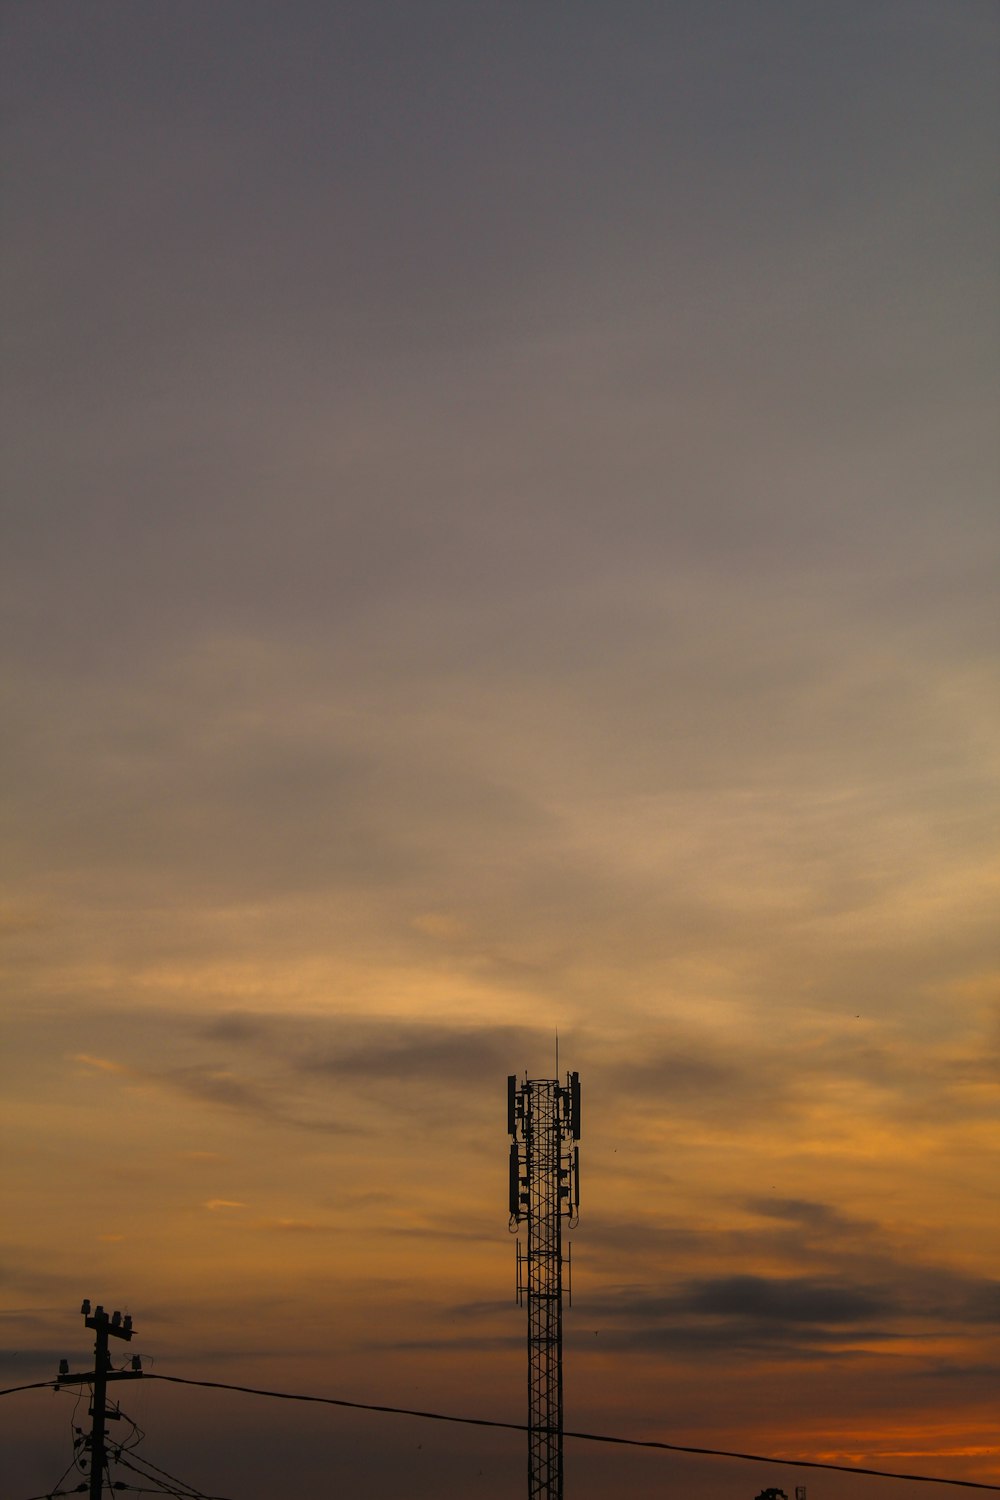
(88, 1376)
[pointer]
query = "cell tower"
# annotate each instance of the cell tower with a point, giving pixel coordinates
(543, 1119)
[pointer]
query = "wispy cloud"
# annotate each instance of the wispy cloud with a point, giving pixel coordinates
(103, 1064)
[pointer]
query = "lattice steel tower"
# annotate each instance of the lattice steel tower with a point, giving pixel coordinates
(544, 1122)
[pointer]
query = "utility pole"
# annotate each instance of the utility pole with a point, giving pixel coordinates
(543, 1119)
(104, 1327)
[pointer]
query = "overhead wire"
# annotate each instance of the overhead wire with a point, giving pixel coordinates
(154, 1489)
(177, 1486)
(76, 1433)
(55, 1490)
(185, 1492)
(51, 1494)
(137, 1435)
(162, 1490)
(139, 1489)
(591, 1437)
(115, 1453)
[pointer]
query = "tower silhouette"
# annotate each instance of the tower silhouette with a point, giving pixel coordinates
(543, 1119)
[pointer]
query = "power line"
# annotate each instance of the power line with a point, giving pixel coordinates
(590, 1437)
(50, 1494)
(178, 1487)
(55, 1490)
(175, 1487)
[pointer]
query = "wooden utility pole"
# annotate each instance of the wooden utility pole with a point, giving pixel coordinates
(104, 1327)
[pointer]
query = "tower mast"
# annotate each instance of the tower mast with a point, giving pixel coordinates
(543, 1119)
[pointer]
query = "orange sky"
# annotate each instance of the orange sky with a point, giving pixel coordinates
(500, 538)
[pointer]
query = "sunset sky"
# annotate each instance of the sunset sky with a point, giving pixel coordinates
(500, 536)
